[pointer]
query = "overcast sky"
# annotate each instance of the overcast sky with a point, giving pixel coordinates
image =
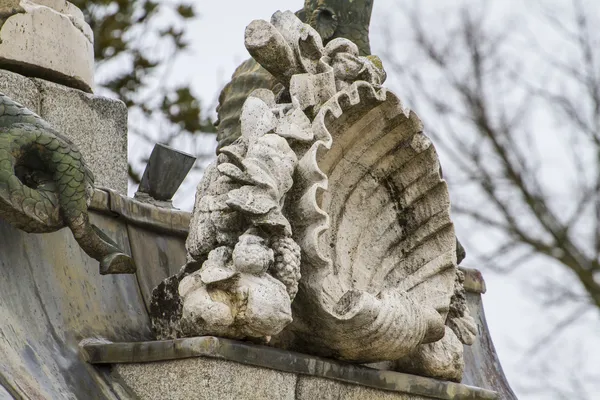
(516, 322)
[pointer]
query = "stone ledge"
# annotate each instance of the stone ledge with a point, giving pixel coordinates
(156, 219)
(141, 353)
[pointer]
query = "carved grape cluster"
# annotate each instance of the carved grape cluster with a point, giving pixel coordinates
(286, 267)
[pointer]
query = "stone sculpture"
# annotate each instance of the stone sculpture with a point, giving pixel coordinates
(331, 19)
(45, 185)
(332, 176)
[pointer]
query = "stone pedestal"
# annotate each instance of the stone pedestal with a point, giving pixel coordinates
(214, 368)
(47, 39)
(97, 125)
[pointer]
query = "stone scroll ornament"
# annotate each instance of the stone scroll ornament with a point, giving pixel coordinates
(45, 185)
(325, 227)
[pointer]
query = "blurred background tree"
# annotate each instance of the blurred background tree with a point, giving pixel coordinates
(512, 103)
(136, 44)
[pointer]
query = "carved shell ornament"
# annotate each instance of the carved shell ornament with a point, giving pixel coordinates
(334, 177)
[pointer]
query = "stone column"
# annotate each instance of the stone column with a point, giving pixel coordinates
(47, 64)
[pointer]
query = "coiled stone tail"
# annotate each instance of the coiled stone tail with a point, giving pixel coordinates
(45, 185)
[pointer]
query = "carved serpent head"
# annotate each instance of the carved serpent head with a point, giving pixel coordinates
(349, 19)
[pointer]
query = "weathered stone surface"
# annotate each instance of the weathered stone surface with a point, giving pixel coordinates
(206, 379)
(45, 185)
(482, 365)
(250, 264)
(47, 39)
(97, 125)
(97, 352)
(311, 388)
(336, 165)
(21, 89)
(51, 297)
(442, 359)
(330, 18)
(169, 251)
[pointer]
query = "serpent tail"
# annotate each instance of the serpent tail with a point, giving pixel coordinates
(45, 185)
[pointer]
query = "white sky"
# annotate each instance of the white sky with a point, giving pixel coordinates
(516, 321)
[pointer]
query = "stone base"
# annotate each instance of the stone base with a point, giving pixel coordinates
(97, 125)
(215, 368)
(209, 379)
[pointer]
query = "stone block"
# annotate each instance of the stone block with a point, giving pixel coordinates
(47, 39)
(21, 89)
(312, 388)
(206, 379)
(97, 125)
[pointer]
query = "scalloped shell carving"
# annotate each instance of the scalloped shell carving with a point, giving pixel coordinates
(372, 216)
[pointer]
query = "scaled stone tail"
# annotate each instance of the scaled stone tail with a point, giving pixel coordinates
(46, 185)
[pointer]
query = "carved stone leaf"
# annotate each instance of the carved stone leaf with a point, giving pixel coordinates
(252, 200)
(257, 119)
(236, 174)
(295, 125)
(236, 151)
(259, 174)
(272, 160)
(274, 219)
(465, 329)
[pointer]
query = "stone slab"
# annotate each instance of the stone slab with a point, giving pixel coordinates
(47, 39)
(205, 379)
(52, 297)
(157, 352)
(97, 125)
(482, 365)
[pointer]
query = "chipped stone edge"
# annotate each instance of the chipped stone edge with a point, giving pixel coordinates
(36, 71)
(96, 352)
(474, 281)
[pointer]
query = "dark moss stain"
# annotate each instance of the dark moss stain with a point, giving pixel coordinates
(404, 215)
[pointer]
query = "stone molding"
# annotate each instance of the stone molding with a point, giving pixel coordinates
(102, 352)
